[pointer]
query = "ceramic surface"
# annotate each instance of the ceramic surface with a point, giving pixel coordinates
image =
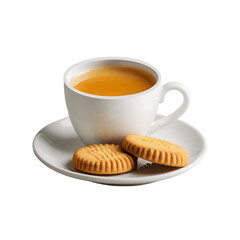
(55, 144)
(100, 119)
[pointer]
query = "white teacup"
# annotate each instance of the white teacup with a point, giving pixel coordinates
(108, 119)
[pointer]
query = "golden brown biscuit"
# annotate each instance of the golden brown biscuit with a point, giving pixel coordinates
(103, 159)
(156, 150)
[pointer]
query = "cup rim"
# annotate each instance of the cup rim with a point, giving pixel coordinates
(158, 77)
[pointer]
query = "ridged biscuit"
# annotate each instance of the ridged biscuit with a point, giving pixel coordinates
(103, 159)
(156, 150)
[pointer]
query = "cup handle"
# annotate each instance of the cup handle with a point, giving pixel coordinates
(176, 114)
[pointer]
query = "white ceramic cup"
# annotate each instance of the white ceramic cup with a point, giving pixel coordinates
(108, 119)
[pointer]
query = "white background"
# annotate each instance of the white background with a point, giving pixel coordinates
(194, 42)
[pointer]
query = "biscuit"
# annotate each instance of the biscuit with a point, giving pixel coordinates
(156, 150)
(103, 159)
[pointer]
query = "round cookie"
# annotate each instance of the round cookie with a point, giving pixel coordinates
(103, 159)
(156, 150)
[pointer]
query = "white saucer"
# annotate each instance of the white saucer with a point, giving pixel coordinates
(55, 144)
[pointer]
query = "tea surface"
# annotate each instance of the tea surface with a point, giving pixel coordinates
(114, 81)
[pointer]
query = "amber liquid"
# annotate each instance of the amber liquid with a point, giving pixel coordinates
(113, 81)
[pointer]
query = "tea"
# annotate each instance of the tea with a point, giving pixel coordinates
(113, 81)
